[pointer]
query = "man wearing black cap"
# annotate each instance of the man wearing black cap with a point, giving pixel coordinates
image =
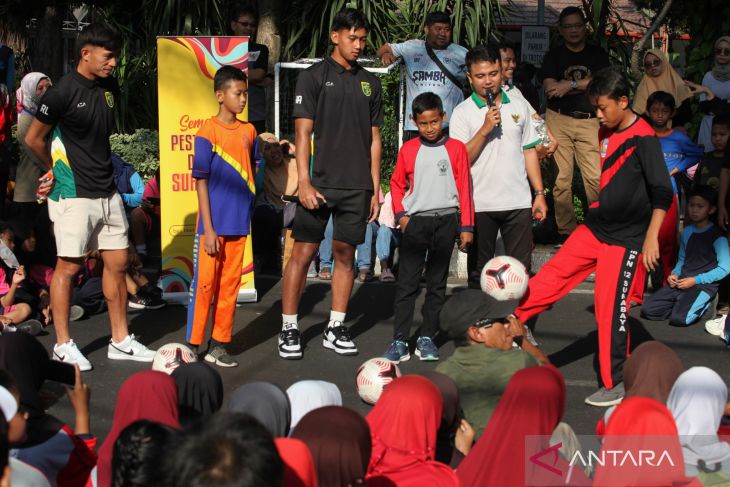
(485, 359)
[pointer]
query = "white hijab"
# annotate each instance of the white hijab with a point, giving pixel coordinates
(25, 95)
(308, 395)
(697, 402)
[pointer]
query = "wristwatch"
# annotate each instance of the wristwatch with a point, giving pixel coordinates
(540, 192)
(574, 85)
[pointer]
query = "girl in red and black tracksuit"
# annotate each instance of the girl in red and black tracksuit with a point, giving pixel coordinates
(620, 232)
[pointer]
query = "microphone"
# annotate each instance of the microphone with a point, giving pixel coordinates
(490, 101)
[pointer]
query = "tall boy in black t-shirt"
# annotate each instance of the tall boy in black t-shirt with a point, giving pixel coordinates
(566, 71)
(338, 102)
(620, 233)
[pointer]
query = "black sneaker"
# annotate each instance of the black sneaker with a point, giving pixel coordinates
(31, 327)
(150, 290)
(140, 301)
(219, 356)
(290, 344)
(337, 338)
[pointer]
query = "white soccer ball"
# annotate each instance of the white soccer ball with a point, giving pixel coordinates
(504, 278)
(171, 356)
(373, 376)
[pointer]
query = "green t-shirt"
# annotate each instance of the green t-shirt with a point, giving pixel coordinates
(482, 375)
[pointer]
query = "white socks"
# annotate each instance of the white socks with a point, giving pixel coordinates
(336, 317)
(289, 322)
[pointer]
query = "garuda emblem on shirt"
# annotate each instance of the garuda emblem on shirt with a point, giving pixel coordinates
(365, 88)
(516, 117)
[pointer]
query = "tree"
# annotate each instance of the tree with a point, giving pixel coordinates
(305, 29)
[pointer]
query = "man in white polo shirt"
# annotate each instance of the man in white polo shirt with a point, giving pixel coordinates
(501, 141)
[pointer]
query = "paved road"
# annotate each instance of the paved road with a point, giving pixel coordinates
(567, 333)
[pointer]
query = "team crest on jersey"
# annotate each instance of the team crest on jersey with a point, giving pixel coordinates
(604, 147)
(516, 117)
(109, 98)
(442, 165)
(365, 88)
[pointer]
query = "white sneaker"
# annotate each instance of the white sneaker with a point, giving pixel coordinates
(129, 349)
(716, 326)
(69, 353)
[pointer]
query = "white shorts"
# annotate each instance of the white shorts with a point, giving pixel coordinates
(84, 224)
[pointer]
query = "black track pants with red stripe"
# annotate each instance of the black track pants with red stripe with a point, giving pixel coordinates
(615, 267)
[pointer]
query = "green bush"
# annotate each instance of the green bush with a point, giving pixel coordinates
(389, 130)
(139, 149)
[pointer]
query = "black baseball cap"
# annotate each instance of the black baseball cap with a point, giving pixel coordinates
(468, 307)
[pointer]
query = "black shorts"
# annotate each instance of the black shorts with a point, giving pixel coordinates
(350, 209)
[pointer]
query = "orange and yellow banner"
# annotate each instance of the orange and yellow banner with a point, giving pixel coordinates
(185, 67)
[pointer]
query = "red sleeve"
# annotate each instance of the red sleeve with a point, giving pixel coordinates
(80, 461)
(462, 174)
(398, 182)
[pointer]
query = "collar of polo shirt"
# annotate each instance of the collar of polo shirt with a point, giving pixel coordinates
(340, 68)
(481, 103)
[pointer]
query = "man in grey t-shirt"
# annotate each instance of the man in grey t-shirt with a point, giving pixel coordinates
(423, 74)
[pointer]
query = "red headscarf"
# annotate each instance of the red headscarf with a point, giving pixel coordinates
(298, 464)
(641, 423)
(404, 425)
(532, 404)
(146, 395)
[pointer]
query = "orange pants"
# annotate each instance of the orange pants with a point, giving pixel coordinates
(215, 282)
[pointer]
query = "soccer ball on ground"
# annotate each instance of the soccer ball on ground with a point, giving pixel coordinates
(171, 356)
(373, 376)
(504, 278)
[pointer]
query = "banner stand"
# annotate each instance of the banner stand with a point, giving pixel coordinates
(186, 67)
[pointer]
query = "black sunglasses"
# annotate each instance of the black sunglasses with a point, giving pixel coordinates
(489, 322)
(722, 51)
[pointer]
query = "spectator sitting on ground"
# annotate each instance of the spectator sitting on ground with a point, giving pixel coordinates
(233, 449)
(650, 371)
(87, 293)
(11, 276)
(680, 153)
(146, 217)
(708, 172)
(149, 395)
(64, 455)
(35, 290)
(484, 330)
(128, 182)
(140, 450)
(703, 262)
(697, 402)
(276, 177)
(141, 293)
(22, 473)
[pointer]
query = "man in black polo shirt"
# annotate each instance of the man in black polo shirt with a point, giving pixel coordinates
(245, 22)
(340, 103)
(566, 71)
(83, 203)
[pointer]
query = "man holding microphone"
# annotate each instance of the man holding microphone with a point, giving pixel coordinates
(500, 140)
